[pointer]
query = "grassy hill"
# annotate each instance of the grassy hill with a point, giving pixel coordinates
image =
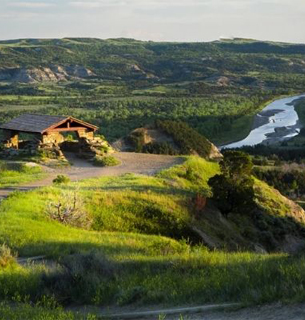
(168, 137)
(147, 243)
(180, 61)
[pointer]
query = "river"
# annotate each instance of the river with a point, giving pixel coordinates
(276, 122)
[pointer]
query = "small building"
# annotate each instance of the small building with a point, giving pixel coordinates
(46, 131)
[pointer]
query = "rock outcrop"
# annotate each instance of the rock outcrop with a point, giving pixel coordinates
(89, 148)
(53, 73)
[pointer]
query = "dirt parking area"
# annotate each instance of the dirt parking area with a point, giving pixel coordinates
(139, 163)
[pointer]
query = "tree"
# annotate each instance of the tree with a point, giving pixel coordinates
(236, 164)
(233, 188)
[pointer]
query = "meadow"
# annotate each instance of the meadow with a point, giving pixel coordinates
(138, 250)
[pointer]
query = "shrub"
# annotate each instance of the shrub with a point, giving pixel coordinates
(6, 256)
(159, 148)
(108, 161)
(69, 209)
(46, 154)
(61, 179)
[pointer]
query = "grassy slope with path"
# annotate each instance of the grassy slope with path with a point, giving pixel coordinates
(141, 269)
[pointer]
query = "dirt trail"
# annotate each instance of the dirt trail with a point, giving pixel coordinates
(267, 312)
(148, 164)
(229, 311)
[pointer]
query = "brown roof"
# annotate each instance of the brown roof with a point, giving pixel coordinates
(39, 123)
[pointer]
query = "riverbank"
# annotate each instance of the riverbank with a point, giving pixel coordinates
(286, 133)
(277, 122)
(263, 117)
(245, 125)
(299, 106)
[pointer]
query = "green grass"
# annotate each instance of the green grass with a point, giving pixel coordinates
(142, 268)
(125, 204)
(21, 311)
(273, 202)
(152, 270)
(17, 174)
(192, 175)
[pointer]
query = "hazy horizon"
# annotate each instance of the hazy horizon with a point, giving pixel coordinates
(155, 20)
(148, 40)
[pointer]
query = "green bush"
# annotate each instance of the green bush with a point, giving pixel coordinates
(46, 154)
(61, 179)
(108, 161)
(159, 148)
